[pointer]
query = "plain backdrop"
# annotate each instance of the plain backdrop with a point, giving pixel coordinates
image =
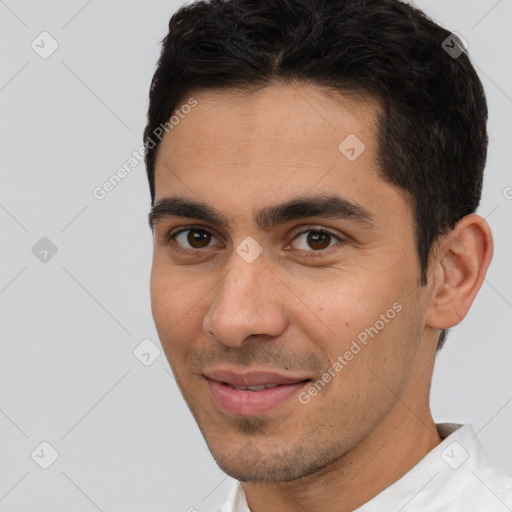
(74, 272)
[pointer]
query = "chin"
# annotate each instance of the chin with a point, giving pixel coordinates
(252, 463)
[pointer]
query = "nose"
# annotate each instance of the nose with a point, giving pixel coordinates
(246, 302)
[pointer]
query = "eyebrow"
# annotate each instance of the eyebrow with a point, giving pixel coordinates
(267, 217)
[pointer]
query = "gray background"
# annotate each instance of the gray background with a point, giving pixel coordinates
(69, 325)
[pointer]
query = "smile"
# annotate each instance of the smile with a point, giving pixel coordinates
(254, 393)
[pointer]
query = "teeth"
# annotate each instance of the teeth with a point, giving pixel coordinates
(255, 388)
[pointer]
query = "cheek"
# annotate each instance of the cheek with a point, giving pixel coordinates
(173, 290)
(161, 296)
(354, 309)
(175, 306)
(337, 309)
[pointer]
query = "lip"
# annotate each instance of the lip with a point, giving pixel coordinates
(252, 378)
(252, 403)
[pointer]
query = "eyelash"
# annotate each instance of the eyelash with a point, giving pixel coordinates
(170, 237)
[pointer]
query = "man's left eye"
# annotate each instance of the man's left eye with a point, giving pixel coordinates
(315, 239)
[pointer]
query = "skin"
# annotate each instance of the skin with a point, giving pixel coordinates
(239, 152)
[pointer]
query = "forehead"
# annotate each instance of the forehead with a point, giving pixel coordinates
(295, 113)
(271, 143)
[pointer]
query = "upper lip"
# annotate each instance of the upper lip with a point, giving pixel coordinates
(252, 378)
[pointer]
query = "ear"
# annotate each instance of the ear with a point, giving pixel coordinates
(458, 270)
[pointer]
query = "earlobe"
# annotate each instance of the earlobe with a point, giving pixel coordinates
(460, 264)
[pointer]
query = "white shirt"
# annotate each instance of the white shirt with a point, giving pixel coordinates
(456, 476)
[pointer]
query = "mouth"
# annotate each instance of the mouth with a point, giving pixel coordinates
(252, 388)
(252, 393)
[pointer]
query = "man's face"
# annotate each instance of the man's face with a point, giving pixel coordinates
(336, 282)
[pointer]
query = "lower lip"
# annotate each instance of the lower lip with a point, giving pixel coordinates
(252, 403)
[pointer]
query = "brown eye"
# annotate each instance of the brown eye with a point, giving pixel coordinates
(318, 240)
(191, 239)
(314, 240)
(198, 239)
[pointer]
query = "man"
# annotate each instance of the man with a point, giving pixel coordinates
(314, 168)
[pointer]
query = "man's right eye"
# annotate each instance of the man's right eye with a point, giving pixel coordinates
(190, 239)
